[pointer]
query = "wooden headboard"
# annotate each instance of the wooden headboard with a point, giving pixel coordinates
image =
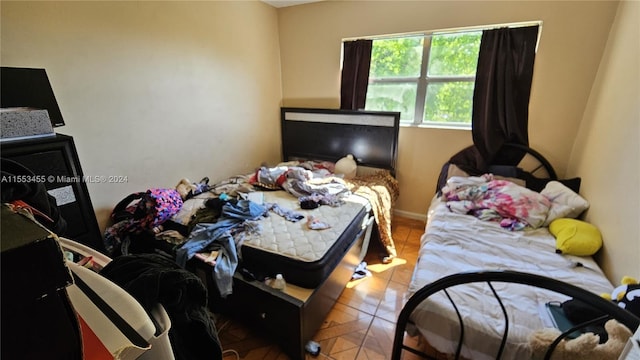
(330, 134)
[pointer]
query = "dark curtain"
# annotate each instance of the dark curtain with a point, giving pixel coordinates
(500, 98)
(355, 74)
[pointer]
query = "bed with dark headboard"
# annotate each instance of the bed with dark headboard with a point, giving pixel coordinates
(321, 134)
(370, 136)
(293, 316)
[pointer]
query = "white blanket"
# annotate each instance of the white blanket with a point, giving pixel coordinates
(455, 243)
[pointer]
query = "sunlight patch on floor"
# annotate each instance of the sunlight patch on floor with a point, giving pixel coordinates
(353, 283)
(378, 268)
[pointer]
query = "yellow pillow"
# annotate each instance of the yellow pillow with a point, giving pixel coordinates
(575, 237)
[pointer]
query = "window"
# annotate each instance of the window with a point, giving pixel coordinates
(429, 78)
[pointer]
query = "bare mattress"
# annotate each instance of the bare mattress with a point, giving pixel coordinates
(304, 256)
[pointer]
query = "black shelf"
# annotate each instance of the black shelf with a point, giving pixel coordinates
(56, 158)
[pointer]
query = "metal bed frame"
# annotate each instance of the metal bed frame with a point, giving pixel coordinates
(489, 277)
(532, 164)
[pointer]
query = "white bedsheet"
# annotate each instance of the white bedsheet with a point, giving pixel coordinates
(455, 243)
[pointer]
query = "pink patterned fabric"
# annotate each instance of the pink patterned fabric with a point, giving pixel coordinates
(514, 206)
(164, 203)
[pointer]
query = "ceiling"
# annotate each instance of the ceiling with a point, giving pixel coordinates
(285, 3)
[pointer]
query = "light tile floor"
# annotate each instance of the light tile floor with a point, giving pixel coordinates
(361, 325)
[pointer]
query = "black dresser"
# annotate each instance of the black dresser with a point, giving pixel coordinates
(55, 158)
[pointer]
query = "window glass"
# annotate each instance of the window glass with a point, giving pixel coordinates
(429, 78)
(454, 54)
(449, 102)
(393, 97)
(396, 57)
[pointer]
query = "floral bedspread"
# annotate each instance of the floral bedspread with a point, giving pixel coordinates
(514, 206)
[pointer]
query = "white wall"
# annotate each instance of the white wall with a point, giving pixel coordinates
(606, 153)
(155, 91)
(573, 38)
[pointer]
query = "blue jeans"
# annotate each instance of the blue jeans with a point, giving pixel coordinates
(217, 236)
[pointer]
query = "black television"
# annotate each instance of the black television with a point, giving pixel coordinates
(27, 87)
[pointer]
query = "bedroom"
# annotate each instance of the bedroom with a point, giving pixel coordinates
(139, 83)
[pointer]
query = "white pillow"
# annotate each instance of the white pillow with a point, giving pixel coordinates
(565, 203)
(347, 167)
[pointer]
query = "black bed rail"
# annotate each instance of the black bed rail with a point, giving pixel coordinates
(543, 163)
(596, 301)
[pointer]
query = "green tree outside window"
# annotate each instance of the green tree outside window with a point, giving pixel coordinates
(426, 77)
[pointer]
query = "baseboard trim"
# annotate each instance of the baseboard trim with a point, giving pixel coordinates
(410, 215)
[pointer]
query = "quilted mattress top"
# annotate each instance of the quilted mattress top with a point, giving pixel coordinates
(295, 239)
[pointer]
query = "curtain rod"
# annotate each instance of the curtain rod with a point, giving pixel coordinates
(450, 31)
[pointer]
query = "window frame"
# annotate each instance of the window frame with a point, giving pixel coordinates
(423, 80)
